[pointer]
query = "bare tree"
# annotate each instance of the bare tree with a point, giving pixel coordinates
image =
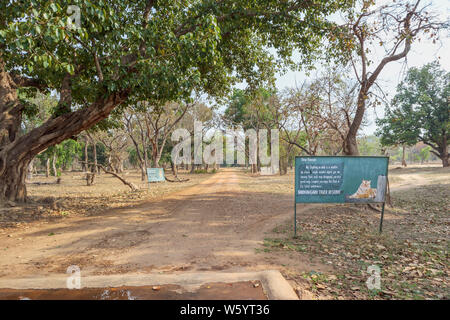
(203, 113)
(94, 140)
(394, 27)
(336, 108)
(159, 122)
(116, 142)
(137, 131)
(302, 128)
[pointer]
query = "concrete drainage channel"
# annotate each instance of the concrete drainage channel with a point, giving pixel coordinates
(274, 286)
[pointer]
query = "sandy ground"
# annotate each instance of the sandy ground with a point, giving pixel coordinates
(213, 225)
(226, 221)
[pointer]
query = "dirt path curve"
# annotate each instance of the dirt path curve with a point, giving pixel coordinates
(210, 226)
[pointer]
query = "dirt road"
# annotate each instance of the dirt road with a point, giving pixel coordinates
(211, 226)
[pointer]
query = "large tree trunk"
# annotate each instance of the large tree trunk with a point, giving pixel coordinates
(350, 145)
(10, 109)
(17, 152)
(13, 169)
(403, 156)
(443, 150)
(12, 181)
(444, 158)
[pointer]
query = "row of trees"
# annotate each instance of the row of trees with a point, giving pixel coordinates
(120, 53)
(140, 137)
(117, 54)
(73, 155)
(317, 117)
(418, 153)
(313, 119)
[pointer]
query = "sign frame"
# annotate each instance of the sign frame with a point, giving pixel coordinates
(153, 172)
(341, 197)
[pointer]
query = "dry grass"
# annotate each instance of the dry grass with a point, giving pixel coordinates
(74, 185)
(412, 251)
(73, 197)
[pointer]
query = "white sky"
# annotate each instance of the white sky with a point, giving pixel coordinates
(421, 53)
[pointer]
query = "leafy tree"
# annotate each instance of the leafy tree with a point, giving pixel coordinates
(235, 111)
(66, 153)
(425, 154)
(252, 110)
(420, 111)
(36, 112)
(101, 56)
(132, 157)
(61, 155)
(369, 146)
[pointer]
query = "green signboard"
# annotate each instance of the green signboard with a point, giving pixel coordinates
(155, 174)
(340, 179)
(344, 179)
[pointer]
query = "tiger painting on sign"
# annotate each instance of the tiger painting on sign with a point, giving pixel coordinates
(364, 191)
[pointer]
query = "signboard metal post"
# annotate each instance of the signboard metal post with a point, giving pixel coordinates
(295, 218)
(340, 179)
(382, 216)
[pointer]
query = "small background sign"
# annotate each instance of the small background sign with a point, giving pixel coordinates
(155, 174)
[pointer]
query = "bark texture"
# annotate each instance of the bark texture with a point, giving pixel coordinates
(16, 152)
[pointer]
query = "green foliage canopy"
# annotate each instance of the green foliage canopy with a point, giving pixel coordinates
(420, 110)
(160, 50)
